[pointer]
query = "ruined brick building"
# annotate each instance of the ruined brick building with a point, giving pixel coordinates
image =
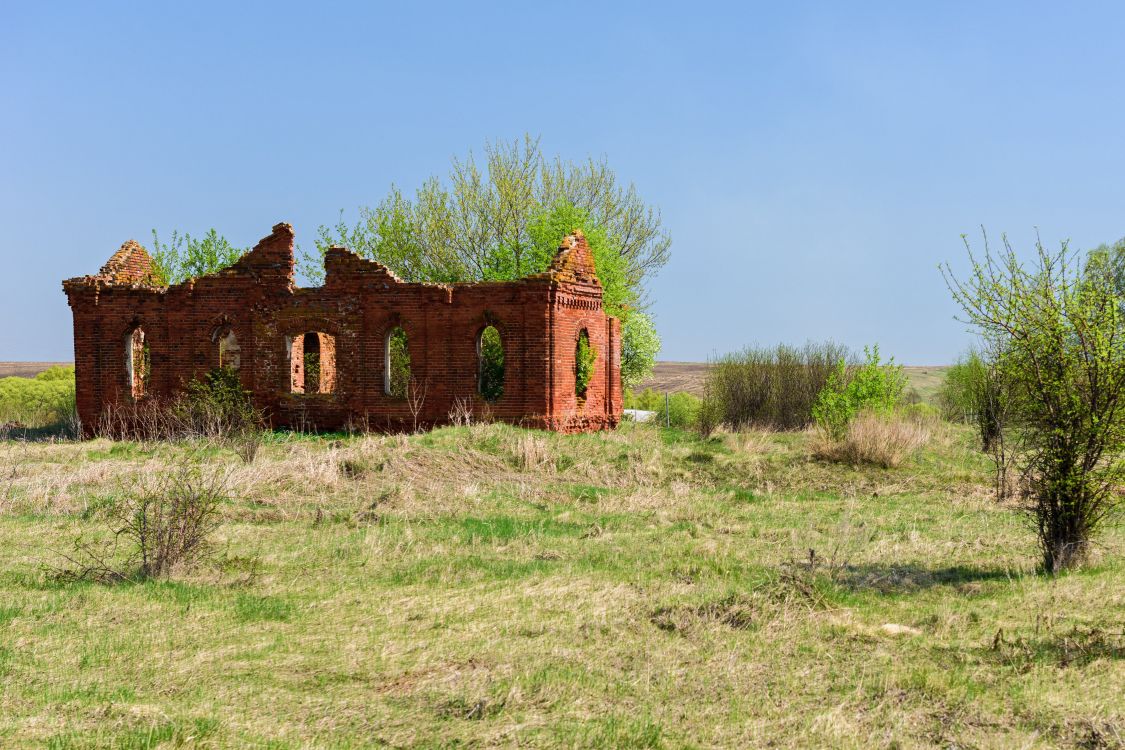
(324, 357)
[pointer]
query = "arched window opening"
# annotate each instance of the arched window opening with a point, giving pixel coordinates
(584, 358)
(490, 364)
(138, 362)
(396, 371)
(230, 355)
(312, 361)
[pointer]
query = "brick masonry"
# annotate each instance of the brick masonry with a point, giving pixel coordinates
(184, 326)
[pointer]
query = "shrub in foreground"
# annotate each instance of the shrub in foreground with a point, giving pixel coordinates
(156, 528)
(1055, 327)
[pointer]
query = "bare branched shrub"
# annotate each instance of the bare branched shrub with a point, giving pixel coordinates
(871, 438)
(461, 413)
(156, 527)
(247, 444)
(710, 414)
(416, 397)
(774, 387)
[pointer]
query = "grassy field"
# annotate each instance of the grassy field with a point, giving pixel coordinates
(489, 586)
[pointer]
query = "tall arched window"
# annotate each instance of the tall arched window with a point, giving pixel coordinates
(138, 362)
(490, 364)
(584, 358)
(396, 366)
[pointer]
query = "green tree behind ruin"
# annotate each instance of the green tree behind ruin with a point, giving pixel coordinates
(504, 220)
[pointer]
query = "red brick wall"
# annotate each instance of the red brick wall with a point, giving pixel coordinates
(539, 319)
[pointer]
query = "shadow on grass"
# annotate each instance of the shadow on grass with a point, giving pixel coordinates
(1075, 647)
(56, 433)
(907, 578)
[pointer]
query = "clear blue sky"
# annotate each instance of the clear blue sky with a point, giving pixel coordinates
(813, 162)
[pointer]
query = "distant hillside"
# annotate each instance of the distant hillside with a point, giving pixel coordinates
(26, 369)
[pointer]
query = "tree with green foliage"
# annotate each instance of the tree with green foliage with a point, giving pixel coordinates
(872, 386)
(505, 220)
(1110, 258)
(184, 257)
(47, 399)
(1059, 343)
(640, 344)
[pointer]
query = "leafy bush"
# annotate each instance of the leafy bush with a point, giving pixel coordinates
(312, 372)
(43, 401)
(56, 372)
(216, 405)
(774, 387)
(873, 386)
(682, 411)
(1054, 333)
(957, 393)
(213, 406)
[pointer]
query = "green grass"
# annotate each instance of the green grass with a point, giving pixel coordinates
(488, 586)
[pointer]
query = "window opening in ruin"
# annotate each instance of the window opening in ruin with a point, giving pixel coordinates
(490, 364)
(584, 358)
(396, 370)
(230, 355)
(312, 362)
(138, 362)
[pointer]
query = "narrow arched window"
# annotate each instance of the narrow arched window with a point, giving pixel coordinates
(584, 358)
(138, 362)
(490, 364)
(312, 363)
(396, 366)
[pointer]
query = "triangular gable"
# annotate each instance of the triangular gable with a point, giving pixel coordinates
(574, 262)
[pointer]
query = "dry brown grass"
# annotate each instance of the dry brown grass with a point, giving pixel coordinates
(488, 586)
(886, 441)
